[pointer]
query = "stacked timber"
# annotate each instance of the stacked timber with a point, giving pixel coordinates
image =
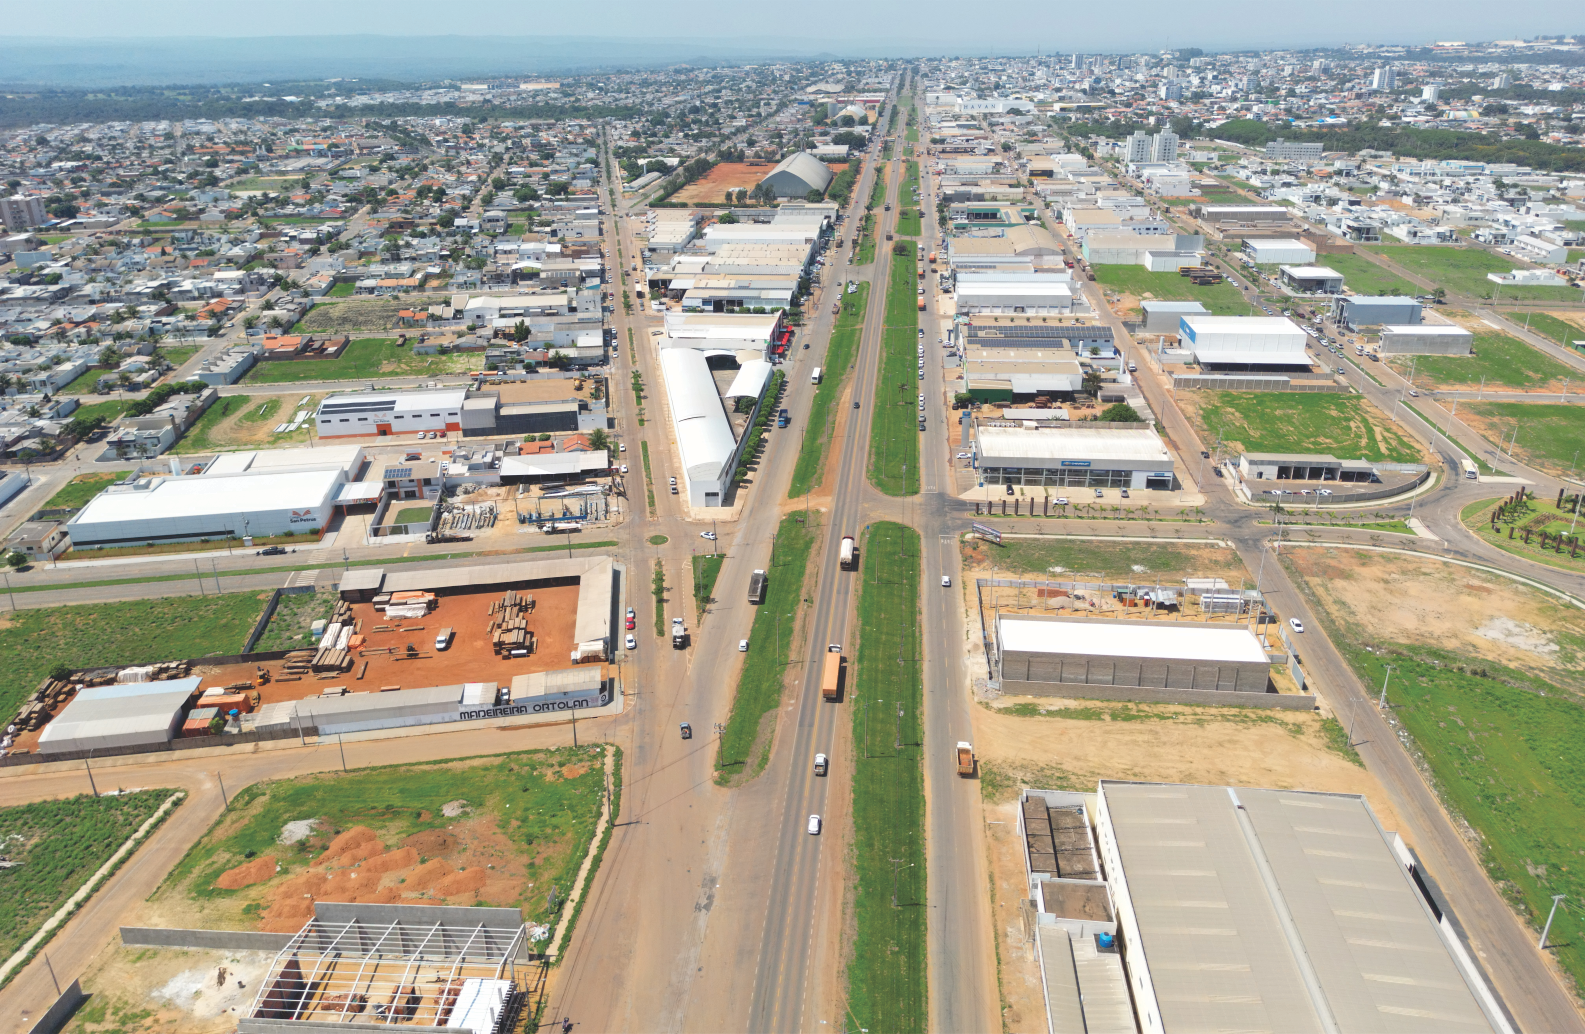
(508, 629)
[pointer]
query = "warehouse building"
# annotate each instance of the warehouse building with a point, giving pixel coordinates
(797, 174)
(1121, 248)
(1355, 311)
(1290, 466)
(1247, 215)
(1166, 317)
(1020, 374)
(1039, 294)
(116, 717)
(1280, 910)
(1311, 279)
(1244, 342)
(1426, 339)
(1036, 654)
(241, 493)
(1279, 252)
(1074, 334)
(1072, 457)
(371, 413)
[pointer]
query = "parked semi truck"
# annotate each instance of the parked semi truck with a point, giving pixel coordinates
(965, 759)
(849, 554)
(756, 587)
(831, 675)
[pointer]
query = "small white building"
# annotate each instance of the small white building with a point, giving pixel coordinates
(381, 414)
(1279, 252)
(1426, 339)
(1243, 340)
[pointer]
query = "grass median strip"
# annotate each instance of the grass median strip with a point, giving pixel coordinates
(706, 569)
(649, 480)
(840, 350)
(658, 587)
(750, 730)
(886, 977)
(894, 426)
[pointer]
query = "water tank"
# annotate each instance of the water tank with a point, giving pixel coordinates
(1105, 940)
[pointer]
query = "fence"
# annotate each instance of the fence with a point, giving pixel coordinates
(1222, 382)
(224, 940)
(269, 612)
(60, 1010)
(185, 743)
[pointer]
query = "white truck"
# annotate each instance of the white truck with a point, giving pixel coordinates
(679, 634)
(848, 555)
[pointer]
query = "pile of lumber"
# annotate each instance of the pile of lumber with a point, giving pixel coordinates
(334, 653)
(409, 604)
(297, 663)
(508, 628)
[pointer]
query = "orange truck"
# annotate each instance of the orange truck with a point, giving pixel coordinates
(965, 759)
(831, 676)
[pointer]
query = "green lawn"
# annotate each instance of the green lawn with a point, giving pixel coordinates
(108, 410)
(1362, 276)
(893, 465)
(886, 977)
(59, 844)
(363, 359)
(289, 625)
(1548, 326)
(74, 495)
(1463, 271)
(1221, 299)
(85, 382)
(176, 355)
(413, 515)
(706, 569)
(1345, 426)
(1550, 435)
(197, 437)
(542, 806)
(1061, 557)
(910, 218)
(90, 635)
(1501, 360)
(745, 745)
(342, 290)
(1533, 515)
(844, 343)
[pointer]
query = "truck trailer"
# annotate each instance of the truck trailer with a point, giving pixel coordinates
(849, 554)
(831, 677)
(756, 587)
(965, 759)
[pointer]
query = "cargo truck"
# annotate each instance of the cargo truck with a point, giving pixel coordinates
(814, 376)
(849, 554)
(831, 676)
(756, 587)
(965, 759)
(921, 303)
(679, 635)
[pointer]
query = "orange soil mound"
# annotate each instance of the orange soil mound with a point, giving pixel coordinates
(398, 859)
(363, 852)
(347, 841)
(431, 842)
(427, 875)
(468, 881)
(256, 871)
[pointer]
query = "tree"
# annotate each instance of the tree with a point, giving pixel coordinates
(962, 400)
(598, 439)
(814, 197)
(1120, 413)
(1092, 381)
(520, 332)
(15, 561)
(727, 217)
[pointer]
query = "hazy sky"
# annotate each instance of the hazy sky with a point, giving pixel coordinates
(962, 25)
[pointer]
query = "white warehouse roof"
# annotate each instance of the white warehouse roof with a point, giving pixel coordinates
(345, 457)
(1097, 444)
(750, 379)
(220, 494)
(1153, 640)
(704, 437)
(124, 715)
(1244, 339)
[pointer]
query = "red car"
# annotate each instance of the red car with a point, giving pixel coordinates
(631, 624)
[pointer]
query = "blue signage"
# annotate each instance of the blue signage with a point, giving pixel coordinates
(1075, 463)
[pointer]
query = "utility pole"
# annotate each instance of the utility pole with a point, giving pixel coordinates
(1556, 899)
(223, 799)
(343, 747)
(898, 867)
(1383, 701)
(899, 725)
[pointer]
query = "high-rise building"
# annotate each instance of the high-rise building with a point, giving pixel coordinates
(1172, 90)
(1431, 93)
(1138, 147)
(1249, 84)
(20, 212)
(1384, 78)
(1502, 81)
(1164, 146)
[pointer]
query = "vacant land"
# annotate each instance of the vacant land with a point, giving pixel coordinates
(74, 495)
(354, 314)
(1463, 271)
(894, 429)
(289, 625)
(1137, 284)
(1550, 436)
(1498, 361)
(205, 435)
(85, 383)
(745, 745)
(1558, 328)
(1076, 558)
(886, 977)
(273, 184)
(362, 360)
(1487, 679)
(1362, 276)
(107, 411)
(508, 830)
(712, 186)
(844, 343)
(88, 635)
(1345, 426)
(54, 846)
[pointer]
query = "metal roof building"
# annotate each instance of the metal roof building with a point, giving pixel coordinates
(1077, 457)
(1278, 910)
(1243, 340)
(134, 714)
(219, 506)
(798, 174)
(1148, 654)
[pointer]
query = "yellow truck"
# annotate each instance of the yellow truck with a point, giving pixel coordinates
(831, 676)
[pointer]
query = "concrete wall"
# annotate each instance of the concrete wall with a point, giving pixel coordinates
(60, 1010)
(1135, 672)
(1285, 701)
(1408, 342)
(223, 940)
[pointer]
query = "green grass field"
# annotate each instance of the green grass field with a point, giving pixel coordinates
(289, 625)
(1548, 326)
(1221, 299)
(1112, 561)
(1535, 515)
(341, 290)
(84, 383)
(910, 218)
(706, 569)
(413, 515)
(544, 803)
(745, 745)
(844, 343)
(1463, 271)
(58, 844)
(893, 465)
(89, 635)
(74, 495)
(109, 410)
(1550, 435)
(1345, 426)
(1499, 360)
(176, 355)
(886, 977)
(362, 360)
(197, 440)
(1362, 276)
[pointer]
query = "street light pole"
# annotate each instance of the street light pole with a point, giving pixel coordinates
(1556, 898)
(1383, 701)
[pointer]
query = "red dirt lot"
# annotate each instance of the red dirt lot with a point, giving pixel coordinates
(470, 658)
(713, 185)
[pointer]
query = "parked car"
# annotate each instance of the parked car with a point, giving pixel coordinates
(630, 642)
(631, 623)
(1009, 489)
(742, 646)
(1099, 494)
(710, 535)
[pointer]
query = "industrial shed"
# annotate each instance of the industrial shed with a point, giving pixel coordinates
(357, 712)
(1426, 339)
(798, 174)
(104, 718)
(1135, 654)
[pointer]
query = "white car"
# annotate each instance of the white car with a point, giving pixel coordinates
(630, 642)
(631, 613)
(624, 468)
(1062, 500)
(946, 581)
(1296, 624)
(622, 447)
(707, 535)
(742, 646)
(814, 825)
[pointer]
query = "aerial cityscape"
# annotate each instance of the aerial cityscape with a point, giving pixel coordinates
(783, 534)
